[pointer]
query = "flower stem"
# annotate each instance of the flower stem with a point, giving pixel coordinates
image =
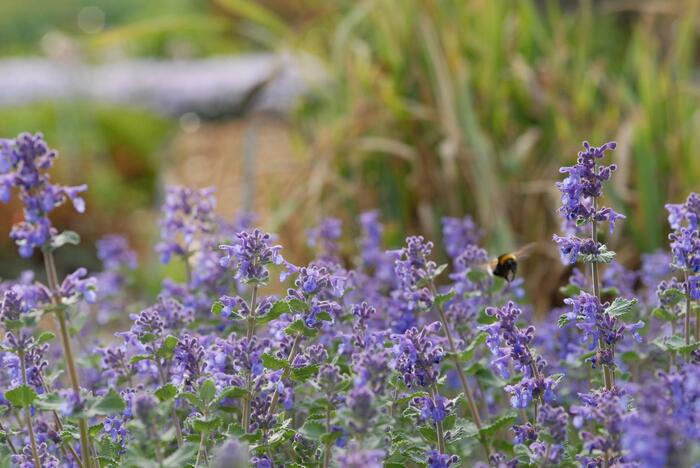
(173, 412)
(285, 374)
(687, 309)
(460, 372)
(438, 424)
(52, 277)
(27, 414)
(249, 381)
(327, 452)
(8, 440)
(607, 372)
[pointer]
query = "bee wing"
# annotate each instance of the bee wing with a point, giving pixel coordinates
(488, 266)
(524, 251)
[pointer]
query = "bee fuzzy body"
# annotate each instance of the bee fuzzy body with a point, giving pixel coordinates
(505, 266)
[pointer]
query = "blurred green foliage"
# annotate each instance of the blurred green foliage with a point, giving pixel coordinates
(453, 107)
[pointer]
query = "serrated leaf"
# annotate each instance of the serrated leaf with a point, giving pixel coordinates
(298, 327)
(331, 437)
(49, 402)
(675, 343)
(21, 397)
(428, 434)
(45, 337)
(273, 362)
(504, 421)
(324, 317)
(620, 306)
(313, 429)
(95, 429)
(207, 392)
(302, 374)
(107, 405)
(64, 238)
(193, 399)
(167, 348)
(233, 392)
(663, 315)
(565, 319)
(167, 392)
(277, 309)
(206, 425)
(441, 299)
(672, 296)
(603, 256)
(297, 305)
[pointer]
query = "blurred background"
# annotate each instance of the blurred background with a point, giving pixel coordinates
(299, 109)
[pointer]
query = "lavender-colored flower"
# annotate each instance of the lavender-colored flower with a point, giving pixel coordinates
(188, 214)
(355, 457)
(143, 406)
(115, 254)
(458, 234)
(24, 165)
(685, 214)
(571, 247)
(524, 434)
(231, 454)
(25, 459)
(250, 255)
(685, 247)
(434, 409)
(436, 459)
(76, 286)
(325, 238)
(189, 360)
(583, 182)
(604, 409)
(417, 356)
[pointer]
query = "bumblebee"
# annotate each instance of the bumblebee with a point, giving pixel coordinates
(506, 265)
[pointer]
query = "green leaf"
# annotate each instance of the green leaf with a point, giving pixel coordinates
(428, 433)
(66, 237)
(274, 363)
(313, 429)
(107, 405)
(206, 425)
(300, 328)
(675, 343)
(664, 315)
(297, 305)
(570, 290)
(181, 457)
(49, 402)
(504, 421)
(233, 392)
(166, 349)
(620, 306)
(138, 358)
(302, 374)
(193, 399)
(278, 308)
(498, 284)
(469, 350)
(603, 256)
(324, 316)
(477, 275)
(45, 337)
(167, 392)
(21, 397)
(564, 320)
(331, 437)
(441, 299)
(95, 429)
(673, 296)
(438, 271)
(207, 392)
(217, 307)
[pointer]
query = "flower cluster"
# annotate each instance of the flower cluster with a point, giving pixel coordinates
(24, 165)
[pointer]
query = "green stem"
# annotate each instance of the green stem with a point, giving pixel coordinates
(52, 277)
(687, 308)
(27, 413)
(249, 381)
(460, 372)
(327, 452)
(173, 411)
(438, 424)
(8, 439)
(285, 374)
(607, 372)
